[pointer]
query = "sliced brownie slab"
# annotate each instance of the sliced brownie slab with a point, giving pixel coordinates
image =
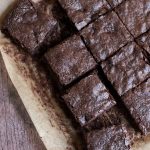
(113, 138)
(137, 101)
(82, 12)
(127, 69)
(135, 15)
(70, 59)
(35, 25)
(105, 36)
(88, 99)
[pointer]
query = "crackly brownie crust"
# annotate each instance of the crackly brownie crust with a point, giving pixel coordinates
(137, 101)
(88, 99)
(70, 59)
(113, 138)
(33, 26)
(144, 41)
(135, 15)
(82, 12)
(111, 117)
(127, 68)
(105, 36)
(115, 3)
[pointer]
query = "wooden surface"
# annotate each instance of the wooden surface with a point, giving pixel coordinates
(16, 129)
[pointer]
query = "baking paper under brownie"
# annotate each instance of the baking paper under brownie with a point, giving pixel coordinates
(137, 101)
(70, 59)
(127, 69)
(88, 99)
(81, 12)
(113, 138)
(33, 26)
(135, 15)
(105, 36)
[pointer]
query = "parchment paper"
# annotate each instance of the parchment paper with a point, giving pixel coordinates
(54, 128)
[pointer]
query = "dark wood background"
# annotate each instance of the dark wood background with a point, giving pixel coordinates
(16, 129)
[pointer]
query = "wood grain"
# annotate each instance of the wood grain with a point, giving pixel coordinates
(16, 129)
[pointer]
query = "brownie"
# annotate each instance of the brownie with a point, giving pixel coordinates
(70, 60)
(111, 117)
(82, 12)
(115, 3)
(33, 26)
(88, 99)
(144, 41)
(127, 69)
(137, 100)
(105, 36)
(113, 138)
(135, 15)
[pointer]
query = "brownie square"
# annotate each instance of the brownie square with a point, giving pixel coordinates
(135, 15)
(35, 25)
(82, 12)
(144, 41)
(127, 69)
(105, 36)
(115, 3)
(70, 60)
(113, 138)
(111, 117)
(137, 101)
(88, 99)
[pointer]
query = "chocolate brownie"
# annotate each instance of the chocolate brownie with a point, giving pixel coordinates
(111, 117)
(113, 138)
(35, 25)
(127, 68)
(70, 59)
(144, 41)
(137, 101)
(115, 3)
(88, 99)
(105, 36)
(82, 12)
(135, 15)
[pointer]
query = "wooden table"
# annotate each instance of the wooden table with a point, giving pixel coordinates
(16, 129)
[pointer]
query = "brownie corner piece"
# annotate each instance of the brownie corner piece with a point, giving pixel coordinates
(69, 60)
(135, 15)
(127, 69)
(105, 36)
(82, 12)
(34, 26)
(137, 102)
(88, 99)
(112, 138)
